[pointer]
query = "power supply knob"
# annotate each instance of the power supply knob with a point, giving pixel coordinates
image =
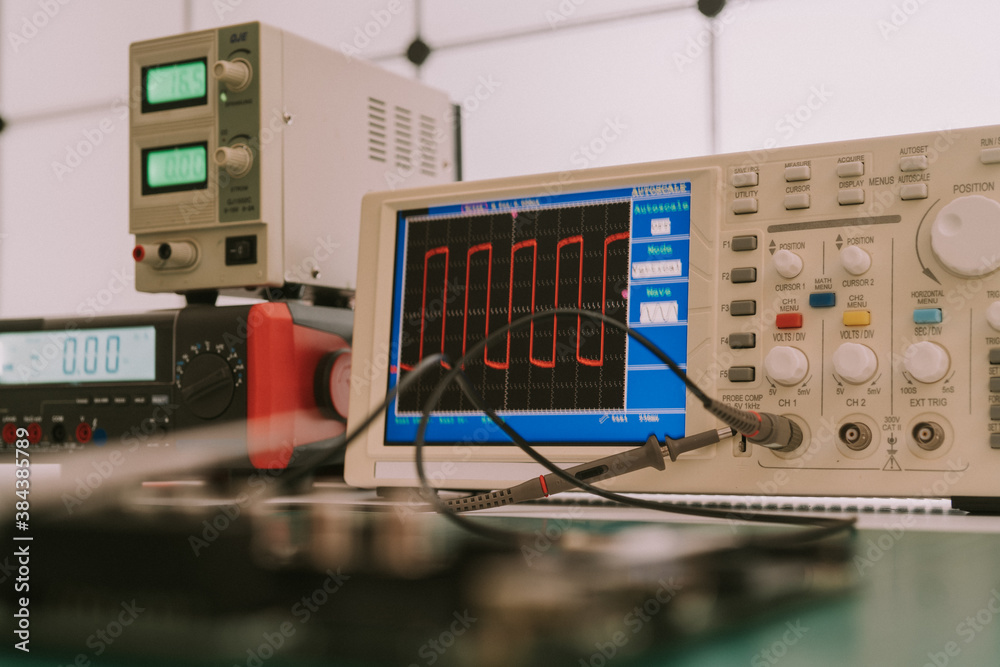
(786, 365)
(965, 236)
(855, 260)
(855, 363)
(927, 362)
(236, 74)
(787, 263)
(993, 315)
(236, 160)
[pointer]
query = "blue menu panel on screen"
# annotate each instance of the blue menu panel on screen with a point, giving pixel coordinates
(463, 272)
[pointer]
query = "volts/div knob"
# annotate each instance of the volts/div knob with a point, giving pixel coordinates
(786, 365)
(207, 386)
(927, 362)
(854, 362)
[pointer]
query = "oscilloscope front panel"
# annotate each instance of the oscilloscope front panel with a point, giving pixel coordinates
(850, 286)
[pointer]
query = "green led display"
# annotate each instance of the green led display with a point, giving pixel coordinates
(176, 83)
(178, 167)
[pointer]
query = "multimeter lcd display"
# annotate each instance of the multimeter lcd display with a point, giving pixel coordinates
(119, 354)
(175, 85)
(175, 168)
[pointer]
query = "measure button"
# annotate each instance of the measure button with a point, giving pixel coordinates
(742, 340)
(743, 206)
(743, 307)
(746, 274)
(744, 243)
(857, 318)
(823, 299)
(745, 180)
(788, 321)
(800, 172)
(742, 373)
(927, 316)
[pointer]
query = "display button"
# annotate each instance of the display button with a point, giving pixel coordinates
(742, 340)
(743, 307)
(746, 205)
(851, 196)
(744, 243)
(796, 201)
(995, 355)
(788, 321)
(989, 155)
(745, 274)
(800, 172)
(995, 440)
(823, 299)
(745, 180)
(857, 318)
(742, 374)
(927, 316)
(910, 191)
(850, 169)
(913, 163)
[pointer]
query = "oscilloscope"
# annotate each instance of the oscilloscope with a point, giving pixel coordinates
(851, 287)
(250, 148)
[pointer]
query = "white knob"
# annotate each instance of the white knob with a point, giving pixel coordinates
(965, 236)
(236, 159)
(786, 365)
(236, 74)
(926, 361)
(993, 315)
(855, 260)
(787, 263)
(855, 363)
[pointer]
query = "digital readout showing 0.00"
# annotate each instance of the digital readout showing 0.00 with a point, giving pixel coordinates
(175, 168)
(119, 354)
(174, 85)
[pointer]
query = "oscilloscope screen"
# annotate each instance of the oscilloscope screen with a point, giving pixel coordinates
(463, 272)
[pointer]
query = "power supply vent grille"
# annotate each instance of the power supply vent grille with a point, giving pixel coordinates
(428, 146)
(377, 130)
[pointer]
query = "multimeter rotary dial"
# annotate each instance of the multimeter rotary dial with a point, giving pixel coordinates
(207, 377)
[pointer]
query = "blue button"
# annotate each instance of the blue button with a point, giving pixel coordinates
(823, 299)
(927, 315)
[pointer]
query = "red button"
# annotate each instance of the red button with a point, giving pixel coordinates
(789, 321)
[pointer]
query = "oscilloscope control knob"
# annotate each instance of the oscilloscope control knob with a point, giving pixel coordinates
(855, 260)
(854, 362)
(927, 362)
(787, 263)
(237, 160)
(786, 365)
(236, 74)
(965, 236)
(993, 315)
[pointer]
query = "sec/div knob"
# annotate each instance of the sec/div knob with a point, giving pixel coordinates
(927, 362)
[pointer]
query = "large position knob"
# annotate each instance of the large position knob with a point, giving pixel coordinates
(965, 236)
(786, 365)
(926, 361)
(207, 385)
(855, 363)
(236, 74)
(787, 263)
(236, 160)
